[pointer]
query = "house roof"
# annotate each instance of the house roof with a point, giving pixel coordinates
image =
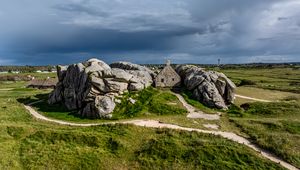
(45, 82)
(168, 70)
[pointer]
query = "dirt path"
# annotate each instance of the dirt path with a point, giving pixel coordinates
(7, 89)
(156, 124)
(251, 98)
(196, 114)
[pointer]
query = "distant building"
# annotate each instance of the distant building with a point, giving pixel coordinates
(167, 77)
(48, 83)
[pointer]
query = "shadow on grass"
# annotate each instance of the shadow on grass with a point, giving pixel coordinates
(35, 98)
(58, 111)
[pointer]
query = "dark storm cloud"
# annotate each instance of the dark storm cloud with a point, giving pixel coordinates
(50, 32)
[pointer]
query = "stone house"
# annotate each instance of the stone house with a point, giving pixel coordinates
(167, 77)
(48, 83)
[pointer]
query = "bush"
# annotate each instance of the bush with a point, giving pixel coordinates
(294, 83)
(234, 110)
(245, 82)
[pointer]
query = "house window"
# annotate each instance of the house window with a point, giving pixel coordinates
(162, 80)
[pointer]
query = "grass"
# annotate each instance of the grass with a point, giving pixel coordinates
(117, 147)
(149, 102)
(282, 79)
(26, 143)
(265, 94)
(273, 126)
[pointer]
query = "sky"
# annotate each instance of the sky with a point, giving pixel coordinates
(35, 32)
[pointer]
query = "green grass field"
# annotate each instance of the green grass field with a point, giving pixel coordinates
(274, 126)
(26, 143)
(282, 79)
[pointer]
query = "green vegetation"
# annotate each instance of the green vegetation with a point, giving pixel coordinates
(118, 147)
(273, 126)
(26, 143)
(283, 79)
(148, 102)
(245, 82)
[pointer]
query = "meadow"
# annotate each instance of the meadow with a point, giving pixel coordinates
(274, 126)
(27, 143)
(282, 79)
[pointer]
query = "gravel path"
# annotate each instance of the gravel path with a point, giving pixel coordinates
(211, 126)
(7, 89)
(156, 124)
(196, 114)
(251, 98)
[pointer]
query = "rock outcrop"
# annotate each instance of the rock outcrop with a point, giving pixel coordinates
(90, 87)
(211, 88)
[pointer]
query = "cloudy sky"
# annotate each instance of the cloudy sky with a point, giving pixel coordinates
(38, 32)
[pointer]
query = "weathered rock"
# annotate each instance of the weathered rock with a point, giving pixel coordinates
(90, 87)
(130, 66)
(114, 86)
(211, 88)
(136, 86)
(121, 75)
(61, 72)
(131, 100)
(104, 106)
(56, 96)
(141, 77)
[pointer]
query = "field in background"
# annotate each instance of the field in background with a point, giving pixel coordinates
(282, 79)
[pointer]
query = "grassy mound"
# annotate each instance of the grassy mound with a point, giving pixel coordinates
(148, 102)
(117, 147)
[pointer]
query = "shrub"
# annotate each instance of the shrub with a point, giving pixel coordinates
(234, 110)
(245, 82)
(294, 83)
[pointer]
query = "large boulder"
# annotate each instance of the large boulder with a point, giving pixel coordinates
(130, 66)
(141, 76)
(90, 87)
(211, 88)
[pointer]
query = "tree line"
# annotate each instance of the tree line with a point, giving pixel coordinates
(26, 69)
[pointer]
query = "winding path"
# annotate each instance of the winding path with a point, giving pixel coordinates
(156, 124)
(193, 113)
(251, 98)
(6, 89)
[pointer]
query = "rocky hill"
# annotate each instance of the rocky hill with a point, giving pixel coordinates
(211, 88)
(91, 87)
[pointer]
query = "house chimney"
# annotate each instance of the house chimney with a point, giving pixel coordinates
(168, 62)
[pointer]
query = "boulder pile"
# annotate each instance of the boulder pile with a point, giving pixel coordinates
(91, 87)
(211, 88)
